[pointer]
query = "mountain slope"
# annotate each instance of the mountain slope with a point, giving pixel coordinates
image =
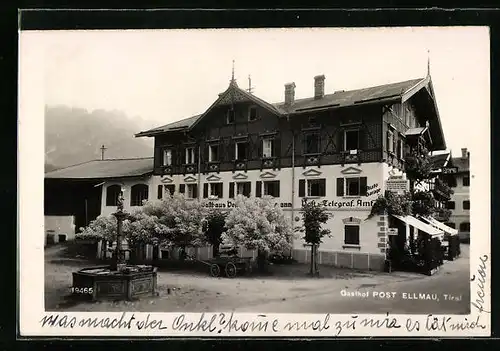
(75, 135)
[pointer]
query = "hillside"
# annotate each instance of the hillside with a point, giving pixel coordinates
(75, 135)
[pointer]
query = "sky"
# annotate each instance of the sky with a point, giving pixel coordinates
(161, 76)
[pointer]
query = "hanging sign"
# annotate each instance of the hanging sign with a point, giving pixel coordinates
(396, 185)
(450, 170)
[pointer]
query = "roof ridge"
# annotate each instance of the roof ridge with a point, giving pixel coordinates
(76, 164)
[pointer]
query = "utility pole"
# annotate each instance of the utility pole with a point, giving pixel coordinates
(102, 152)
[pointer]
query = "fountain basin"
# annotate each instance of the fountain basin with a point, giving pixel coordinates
(103, 283)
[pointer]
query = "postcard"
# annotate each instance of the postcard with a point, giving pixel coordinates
(286, 182)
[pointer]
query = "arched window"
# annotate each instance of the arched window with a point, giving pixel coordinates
(464, 227)
(112, 193)
(138, 194)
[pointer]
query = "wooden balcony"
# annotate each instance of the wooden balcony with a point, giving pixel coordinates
(351, 156)
(190, 168)
(212, 167)
(269, 163)
(240, 165)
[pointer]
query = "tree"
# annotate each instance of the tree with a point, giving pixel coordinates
(258, 224)
(213, 229)
(313, 217)
(103, 228)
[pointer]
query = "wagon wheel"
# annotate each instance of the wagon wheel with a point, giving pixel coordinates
(231, 270)
(214, 270)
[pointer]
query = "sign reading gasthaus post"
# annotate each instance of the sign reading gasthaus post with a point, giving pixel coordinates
(201, 235)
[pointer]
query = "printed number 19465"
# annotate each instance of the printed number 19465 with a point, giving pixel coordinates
(76, 290)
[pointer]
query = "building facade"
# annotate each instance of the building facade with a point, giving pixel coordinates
(459, 204)
(337, 150)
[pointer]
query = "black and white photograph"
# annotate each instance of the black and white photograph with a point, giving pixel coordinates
(315, 171)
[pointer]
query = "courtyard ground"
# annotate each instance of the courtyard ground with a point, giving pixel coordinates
(289, 289)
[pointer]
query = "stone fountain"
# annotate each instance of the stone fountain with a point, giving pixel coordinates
(117, 281)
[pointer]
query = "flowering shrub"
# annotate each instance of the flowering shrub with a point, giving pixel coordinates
(423, 203)
(103, 228)
(258, 224)
(418, 165)
(391, 203)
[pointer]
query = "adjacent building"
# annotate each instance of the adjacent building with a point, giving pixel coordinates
(338, 150)
(459, 204)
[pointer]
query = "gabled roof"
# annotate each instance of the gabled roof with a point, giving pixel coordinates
(105, 169)
(342, 98)
(462, 164)
(377, 94)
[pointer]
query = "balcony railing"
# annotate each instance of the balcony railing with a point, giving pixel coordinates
(269, 162)
(440, 190)
(189, 168)
(351, 156)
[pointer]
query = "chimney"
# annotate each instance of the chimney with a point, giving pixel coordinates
(319, 87)
(465, 154)
(289, 94)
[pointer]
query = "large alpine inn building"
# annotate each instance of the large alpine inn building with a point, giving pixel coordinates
(337, 150)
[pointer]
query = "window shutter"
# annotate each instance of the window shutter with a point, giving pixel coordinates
(302, 187)
(248, 189)
(231, 190)
(341, 146)
(205, 190)
(221, 150)
(362, 186)
(160, 191)
(277, 188)
(195, 190)
(277, 147)
(232, 150)
(221, 190)
(322, 191)
(182, 188)
(261, 147)
(340, 186)
(206, 152)
(258, 189)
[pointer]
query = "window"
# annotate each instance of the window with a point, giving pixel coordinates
(213, 153)
(272, 188)
(315, 187)
(450, 205)
(450, 224)
(230, 116)
(353, 186)
(390, 141)
(189, 155)
(160, 192)
(252, 113)
(241, 150)
(243, 188)
(191, 191)
(138, 194)
(400, 151)
(466, 205)
(312, 143)
(464, 227)
(167, 157)
(215, 189)
(351, 140)
(466, 181)
(267, 147)
(112, 194)
(452, 182)
(170, 188)
(351, 234)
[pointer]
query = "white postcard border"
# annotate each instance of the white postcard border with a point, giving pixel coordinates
(31, 247)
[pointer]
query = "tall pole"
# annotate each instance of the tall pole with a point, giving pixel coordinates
(120, 216)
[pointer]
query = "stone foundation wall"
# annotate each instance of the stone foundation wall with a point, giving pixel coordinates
(351, 260)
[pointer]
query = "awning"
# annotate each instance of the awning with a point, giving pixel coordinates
(442, 226)
(420, 225)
